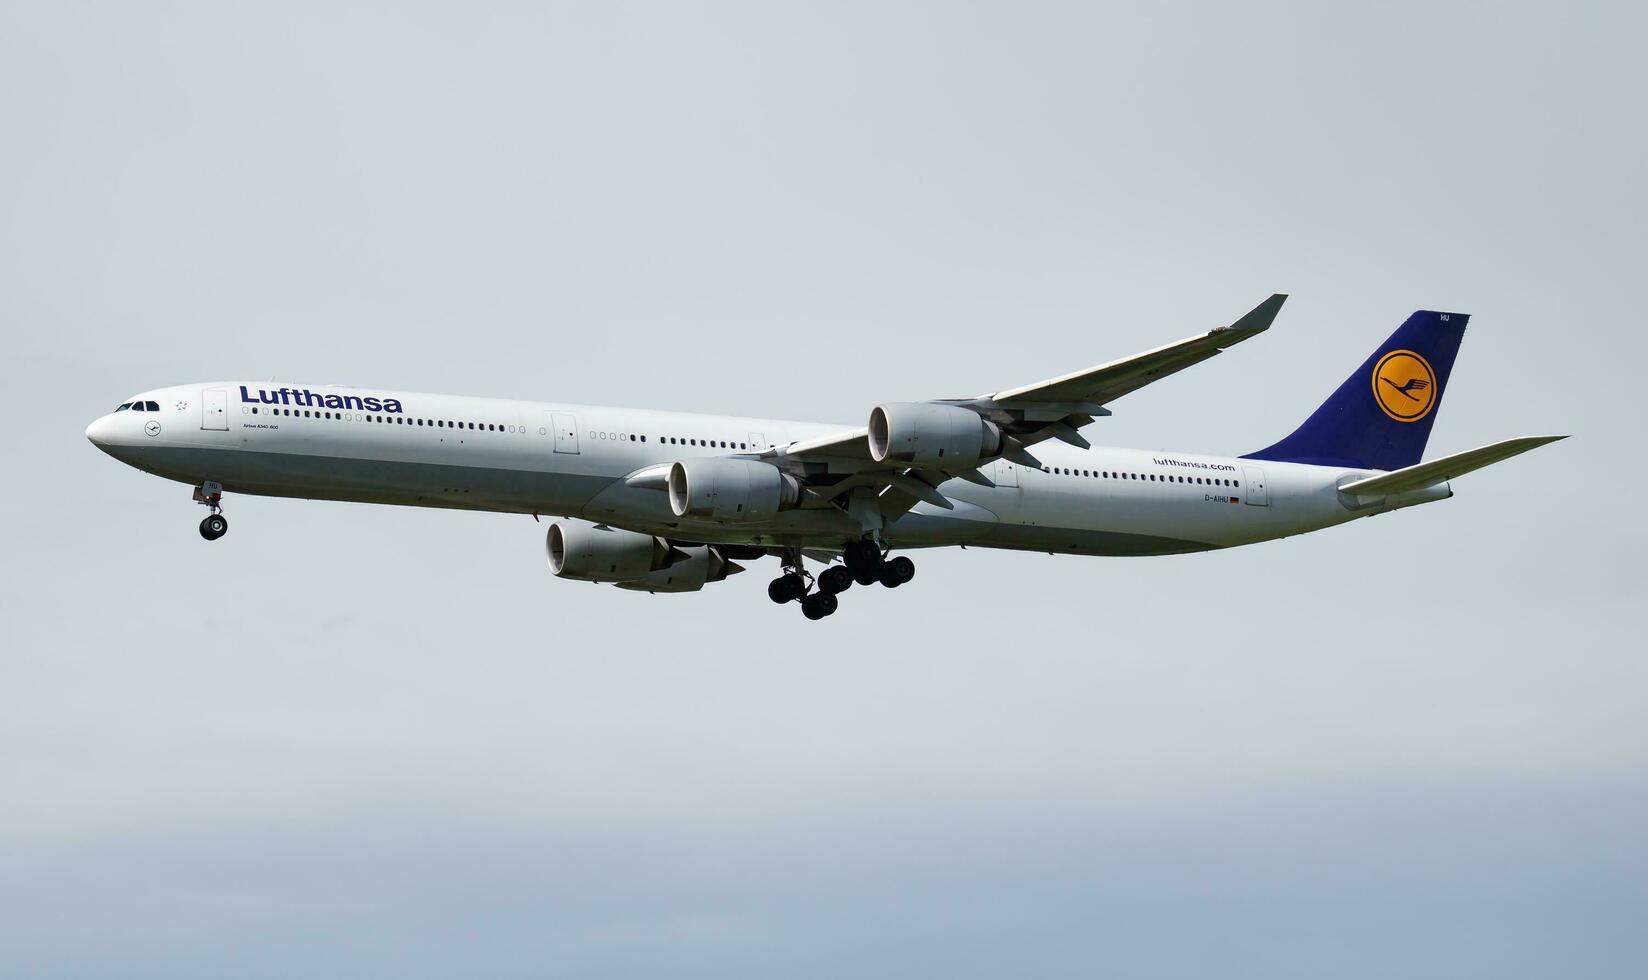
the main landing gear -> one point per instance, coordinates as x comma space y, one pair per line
862, 562
795, 584
866, 564
215, 525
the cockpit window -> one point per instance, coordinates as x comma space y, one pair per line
138, 407
124, 406
151, 406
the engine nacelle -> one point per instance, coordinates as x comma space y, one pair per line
699, 566
597, 553
730, 489
923, 434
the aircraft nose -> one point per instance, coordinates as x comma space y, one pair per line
98, 431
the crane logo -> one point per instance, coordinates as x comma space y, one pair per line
1404, 386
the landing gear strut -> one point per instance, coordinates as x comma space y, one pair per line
215, 525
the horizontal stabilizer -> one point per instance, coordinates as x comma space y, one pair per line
1447, 468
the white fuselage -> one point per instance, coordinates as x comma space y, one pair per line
327, 442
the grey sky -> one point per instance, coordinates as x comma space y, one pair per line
359, 742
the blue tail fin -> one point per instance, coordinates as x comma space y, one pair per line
1380, 418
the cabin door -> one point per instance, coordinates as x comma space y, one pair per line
1257, 493
214, 409
566, 433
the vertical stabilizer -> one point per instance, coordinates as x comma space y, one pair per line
1381, 417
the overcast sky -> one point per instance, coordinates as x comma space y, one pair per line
354, 741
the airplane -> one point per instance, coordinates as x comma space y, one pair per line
668, 502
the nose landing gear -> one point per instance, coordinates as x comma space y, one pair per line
215, 525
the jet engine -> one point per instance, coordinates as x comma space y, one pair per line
730, 489
693, 568
924, 434
598, 553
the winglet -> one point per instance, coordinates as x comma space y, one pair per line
1259, 319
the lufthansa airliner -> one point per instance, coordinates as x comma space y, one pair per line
671, 502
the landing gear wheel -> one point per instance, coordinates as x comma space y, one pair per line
863, 560
897, 571
785, 588
835, 579
861, 557
817, 605
213, 527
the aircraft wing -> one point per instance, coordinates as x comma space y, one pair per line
1429, 474
1108, 382
1055, 408
836, 464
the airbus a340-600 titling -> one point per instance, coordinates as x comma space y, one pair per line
671, 502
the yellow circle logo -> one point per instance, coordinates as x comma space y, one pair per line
1404, 385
